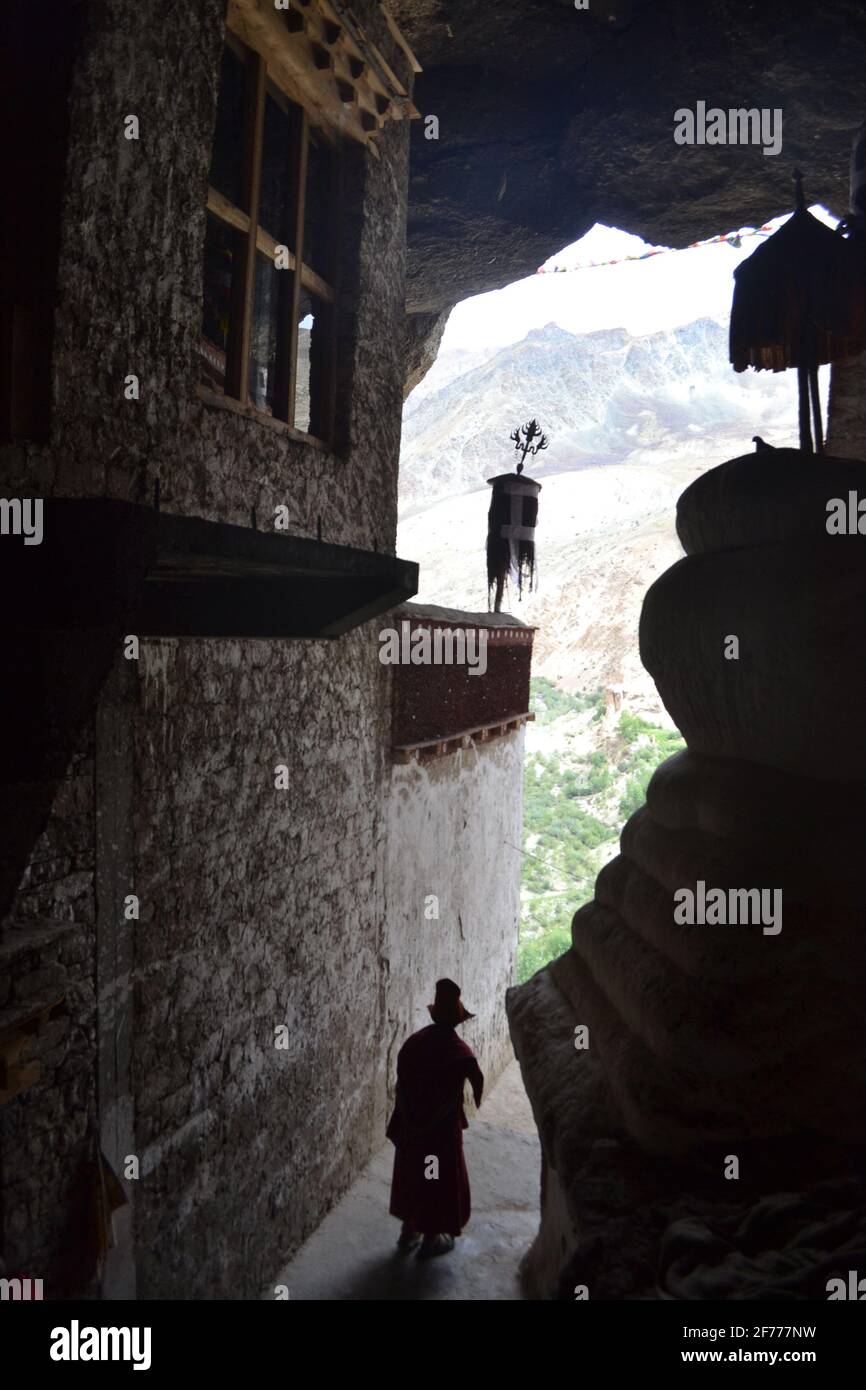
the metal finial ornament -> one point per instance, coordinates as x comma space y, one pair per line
524, 437
512, 518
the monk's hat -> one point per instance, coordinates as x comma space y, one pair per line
447, 1006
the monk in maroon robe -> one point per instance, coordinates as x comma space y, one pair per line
430, 1186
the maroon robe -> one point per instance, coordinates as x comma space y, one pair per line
428, 1121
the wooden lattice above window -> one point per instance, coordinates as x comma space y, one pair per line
320, 55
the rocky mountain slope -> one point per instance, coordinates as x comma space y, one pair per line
602, 397
632, 421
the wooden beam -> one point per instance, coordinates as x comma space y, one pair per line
362, 45
378, 72
483, 733
271, 422
300, 150
316, 285
243, 283
323, 59
323, 347
108, 565
268, 244
399, 38
384, 66
226, 211
292, 65
268, 607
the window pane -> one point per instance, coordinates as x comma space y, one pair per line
226, 159
222, 252
312, 379
271, 287
275, 213
318, 210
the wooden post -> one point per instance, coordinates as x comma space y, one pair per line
803, 392
298, 200
816, 409
243, 283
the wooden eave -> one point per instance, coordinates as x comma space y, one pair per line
118, 565
429, 748
320, 55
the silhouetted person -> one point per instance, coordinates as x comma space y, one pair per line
430, 1186
761, 445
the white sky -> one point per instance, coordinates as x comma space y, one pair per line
640, 296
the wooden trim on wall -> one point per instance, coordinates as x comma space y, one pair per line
459, 739
399, 38
295, 276
327, 392
249, 412
221, 208
243, 284
299, 188
317, 55
225, 211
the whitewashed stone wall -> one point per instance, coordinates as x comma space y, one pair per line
451, 825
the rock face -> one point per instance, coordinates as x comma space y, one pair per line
712, 1038
553, 118
423, 336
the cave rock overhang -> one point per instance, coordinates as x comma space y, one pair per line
551, 119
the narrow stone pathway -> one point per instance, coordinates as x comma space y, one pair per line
353, 1254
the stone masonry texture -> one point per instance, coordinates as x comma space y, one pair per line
259, 907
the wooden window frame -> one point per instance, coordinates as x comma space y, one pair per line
259, 77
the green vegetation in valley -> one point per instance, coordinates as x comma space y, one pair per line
575, 803
549, 702
646, 746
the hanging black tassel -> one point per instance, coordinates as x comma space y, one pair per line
800, 301
511, 523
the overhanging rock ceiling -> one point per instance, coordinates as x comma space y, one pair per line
552, 118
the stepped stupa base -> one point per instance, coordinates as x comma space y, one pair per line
696, 1075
